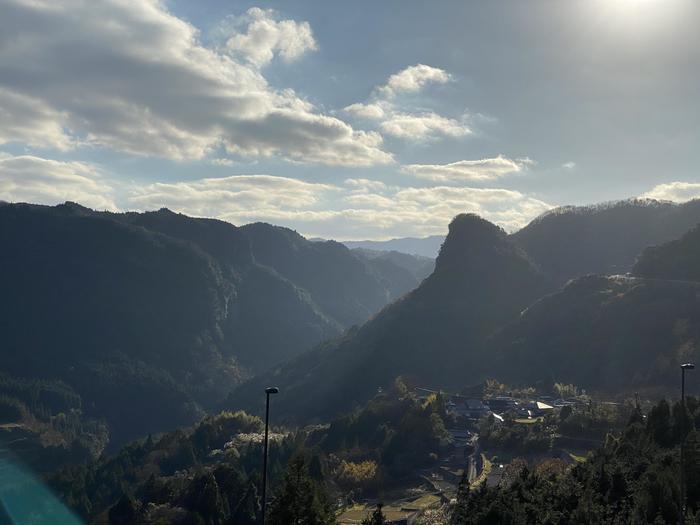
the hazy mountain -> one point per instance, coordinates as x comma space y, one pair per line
418, 265
425, 246
613, 333
678, 260
603, 333
571, 241
347, 288
605, 239
150, 316
398, 272
434, 334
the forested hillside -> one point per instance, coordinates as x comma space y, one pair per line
488, 310
601, 333
434, 334
605, 239
632, 478
346, 288
151, 317
675, 260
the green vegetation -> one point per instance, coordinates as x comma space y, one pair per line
124, 325
675, 260
301, 499
148, 319
486, 308
605, 334
632, 478
604, 239
435, 334
212, 470
582, 426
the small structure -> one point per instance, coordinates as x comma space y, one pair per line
470, 408
501, 404
536, 409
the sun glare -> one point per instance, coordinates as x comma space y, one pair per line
638, 20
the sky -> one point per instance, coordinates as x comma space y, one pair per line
349, 120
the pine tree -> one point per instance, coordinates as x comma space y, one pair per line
301, 500
460, 512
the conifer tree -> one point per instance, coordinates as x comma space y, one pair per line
300, 500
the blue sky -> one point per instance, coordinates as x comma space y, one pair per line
349, 119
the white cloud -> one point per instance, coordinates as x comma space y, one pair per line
355, 208
373, 111
129, 76
239, 198
365, 185
266, 36
473, 170
31, 121
413, 79
32, 179
395, 119
569, 165
359, 208
422, 126
674, 191
222, 162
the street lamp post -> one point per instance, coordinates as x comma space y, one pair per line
269, 390
684, 367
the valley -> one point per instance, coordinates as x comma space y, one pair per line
156, 319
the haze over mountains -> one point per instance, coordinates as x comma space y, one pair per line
606, 239
425, 246
147, 319
456, 328
151, 317
481, 280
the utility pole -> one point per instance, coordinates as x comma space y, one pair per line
684, 367
268, 391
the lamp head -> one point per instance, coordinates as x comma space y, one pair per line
272, 390
688, 366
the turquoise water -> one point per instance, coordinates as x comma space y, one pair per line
25, 500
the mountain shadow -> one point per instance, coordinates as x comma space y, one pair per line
433, 335
572, 241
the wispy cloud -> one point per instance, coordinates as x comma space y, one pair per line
413, 79
470, 170
357, 208
26, 178
674, 191
394, 118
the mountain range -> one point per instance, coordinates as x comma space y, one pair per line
145, 320
492, 309
152, 317
423, 246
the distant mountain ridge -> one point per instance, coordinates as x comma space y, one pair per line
423, 246
571, 241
